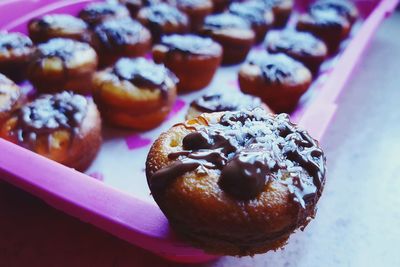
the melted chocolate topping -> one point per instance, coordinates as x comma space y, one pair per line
62, 48
60, 21
277, 68
254, 12
187, 3
96, 12
118, 32
49, 113
343, 8
250, 149
327, 19
226, 102
300, 43
143, 73
14, 41
161, 14
225, 21
190, 44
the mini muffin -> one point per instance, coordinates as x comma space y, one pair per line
328, 26
15, 52
163, 19
277, 79
233, 33
96, 13
114, 39
236, 183
193, 59
10, 97
220, 5
57, 25
281, 9
260, 17
135, 93
215, 102
301, 46
196, 10
63, 127
135, 5
63, 64
344, 8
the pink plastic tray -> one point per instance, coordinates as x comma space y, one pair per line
122, 214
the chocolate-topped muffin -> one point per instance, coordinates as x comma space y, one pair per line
135, 93
233, 33
135, 5
344, 8
57, 25
281, 9
192, 58
236, 183
15, 52
228, 101
277, 79
62, 64
329, 26
256, 13
10, 98
64, 127
196, 10
163, 19
99, 12
125, 37
301, 46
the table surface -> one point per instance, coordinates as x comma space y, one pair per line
358, 218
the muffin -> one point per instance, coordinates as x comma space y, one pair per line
196, 10
344, 8
15, 52
260, 17
217, 102
114, 39
282, 10
96, 13
236, 183
328, 26
277, 79
135, 93
10, 98
220, 5
135, 5
62, 64
193, 59
163, 19
57, 25
233, 33
63, 127
301, 46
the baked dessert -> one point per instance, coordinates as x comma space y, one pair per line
217, 102
328, 26
236, 183
57, 25
96, 13
256, 13
62, 64
134, 93
233, 33
193, 59
301, 46
135, 5
277, 79
344, 8
15, 52
282, 10
163, 19
10, 97
196, 10
114, 39
64, 127
220, 5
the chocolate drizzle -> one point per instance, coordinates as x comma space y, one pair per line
343, 8
161, 14
190, 44
254, 12
49, 113
64, 49
14, 41
97, 12
251, 149
59, 21
226, 102
225, 21
327, 19
143, 73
